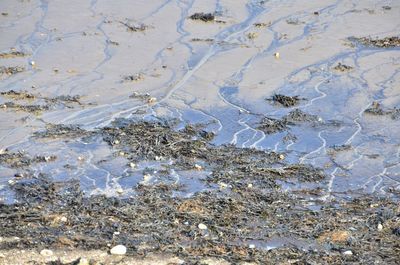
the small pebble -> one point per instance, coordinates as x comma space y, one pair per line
380, 227
250, 185
252, 246
348, 252
281, 157
120, 190
63, 219
151, 100
198, 167
202, 226
118, 250
277, 55
46, 252
11, 182
132, 165
32, 63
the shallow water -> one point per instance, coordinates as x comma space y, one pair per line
83, 48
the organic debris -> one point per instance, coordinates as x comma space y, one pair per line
27, 108
206, 17
298, 115
134, 28
232, 220
11, 70
64, 99
12, 54
271, 125
342, 67
376, 109
134, 78
21, 159
219, 222
286, 101
388, 42
16, 95
60, 130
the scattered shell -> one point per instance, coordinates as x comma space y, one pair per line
281, 157
120, 190
46, 252
277, 55
249, 185
380, 227
11, 182
152, 100
118, 250
146, 179
223, 185
348, 252
252, 246
202, 226
198, 167
132, 165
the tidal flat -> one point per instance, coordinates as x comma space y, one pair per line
199, 132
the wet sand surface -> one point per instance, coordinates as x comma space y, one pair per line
211, 104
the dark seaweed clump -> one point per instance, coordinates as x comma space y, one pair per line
388, 42
58, 215
12, 54
298, 115
271, 125
377, 110
342, 67
62, 131
20, 159
248, 207
12, 70
16, 95
35, 108
286, 101
134, 28
206, 17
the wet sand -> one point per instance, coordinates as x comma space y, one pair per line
313, 86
